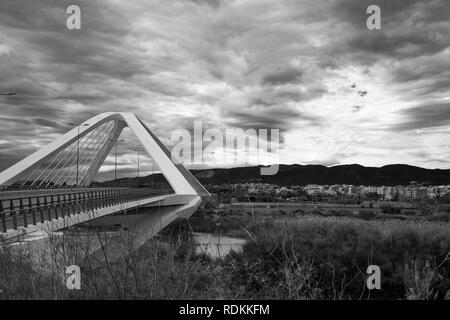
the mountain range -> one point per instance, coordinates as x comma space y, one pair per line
389, 175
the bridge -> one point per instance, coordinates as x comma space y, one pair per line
54, 188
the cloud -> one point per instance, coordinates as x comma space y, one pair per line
288, 75
425, 116
278, 117
250, 64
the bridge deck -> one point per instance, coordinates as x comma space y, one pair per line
22, 209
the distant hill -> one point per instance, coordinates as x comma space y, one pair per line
154, 181
390, 175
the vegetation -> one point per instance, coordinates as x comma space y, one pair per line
152, 272
319, 257
289, 254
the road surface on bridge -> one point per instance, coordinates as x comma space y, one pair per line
20, 209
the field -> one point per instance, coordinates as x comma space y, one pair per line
322, 252
292, 252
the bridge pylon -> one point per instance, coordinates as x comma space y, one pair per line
53, 168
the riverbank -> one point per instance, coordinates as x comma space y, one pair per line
286, 255
292, 253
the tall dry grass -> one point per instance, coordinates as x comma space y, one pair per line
338, 252
307, 258
111, 268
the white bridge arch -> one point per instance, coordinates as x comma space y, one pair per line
187, 191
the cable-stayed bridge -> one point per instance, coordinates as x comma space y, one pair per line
53, 188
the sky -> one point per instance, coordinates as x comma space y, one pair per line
338, 92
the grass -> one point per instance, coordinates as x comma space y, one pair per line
306, 257
334, 253
154, 271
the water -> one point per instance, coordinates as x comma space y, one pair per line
217, 246
213, 245
31, 237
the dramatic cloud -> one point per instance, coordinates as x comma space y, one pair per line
426, 116
282, 77
339, 93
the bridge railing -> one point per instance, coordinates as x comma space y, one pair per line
21, 211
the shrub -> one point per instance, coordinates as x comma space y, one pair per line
367, 214
339, 251
389, 209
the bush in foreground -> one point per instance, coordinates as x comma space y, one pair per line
319, 257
